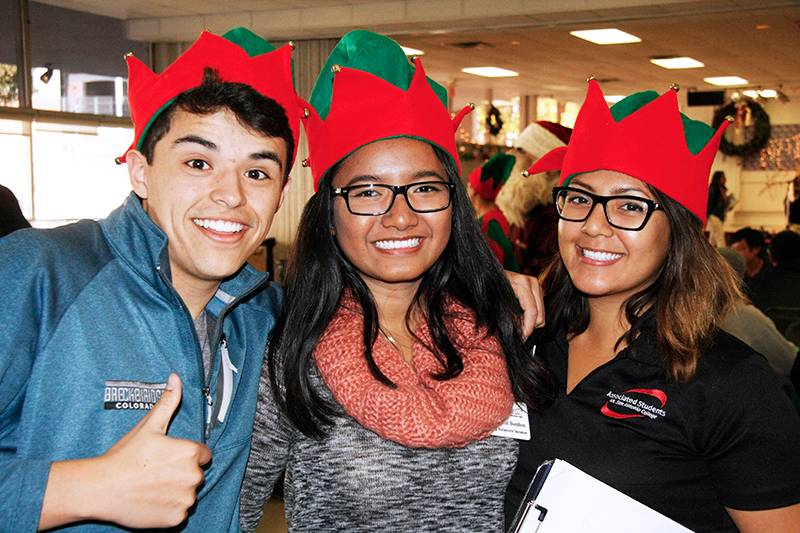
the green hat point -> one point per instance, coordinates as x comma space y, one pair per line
370, 52
498, 168
696, 133
251, 43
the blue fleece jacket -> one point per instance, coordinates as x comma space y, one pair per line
90, 328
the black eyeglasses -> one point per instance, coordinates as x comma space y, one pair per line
374, 199
622, 212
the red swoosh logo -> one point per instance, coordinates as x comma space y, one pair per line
619, 416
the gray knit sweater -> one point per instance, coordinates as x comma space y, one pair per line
353, 480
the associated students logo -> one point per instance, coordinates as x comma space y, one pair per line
635, 403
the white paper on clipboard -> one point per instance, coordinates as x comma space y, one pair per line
565, 499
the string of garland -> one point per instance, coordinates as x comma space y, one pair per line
494, 123
761, 129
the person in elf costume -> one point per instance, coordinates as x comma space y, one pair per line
527, 201
654, 398
382, 409
131, 347
484, 184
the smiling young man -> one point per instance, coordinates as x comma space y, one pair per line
130, 347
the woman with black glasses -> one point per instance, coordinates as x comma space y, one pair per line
398, 354
653, 398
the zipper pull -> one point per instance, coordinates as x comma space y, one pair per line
209, 405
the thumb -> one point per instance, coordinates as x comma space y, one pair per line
160, 416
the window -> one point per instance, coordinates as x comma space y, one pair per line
58, 161
9, 53
77, 61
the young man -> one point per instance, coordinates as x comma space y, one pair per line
751, 244
101, 319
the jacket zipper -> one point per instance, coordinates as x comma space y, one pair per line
206, 390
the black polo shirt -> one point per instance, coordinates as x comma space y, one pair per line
729, 437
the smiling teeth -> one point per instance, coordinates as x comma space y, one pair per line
394, 245
600, 256
222, 226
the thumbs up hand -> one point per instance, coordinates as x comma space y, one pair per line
153, 478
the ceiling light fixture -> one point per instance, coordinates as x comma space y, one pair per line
761, 93
726, 81
676, 62
490, 72
606, 36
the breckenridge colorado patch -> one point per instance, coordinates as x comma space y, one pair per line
126, 395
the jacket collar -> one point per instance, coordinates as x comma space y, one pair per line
139, 242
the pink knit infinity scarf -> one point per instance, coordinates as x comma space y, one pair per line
421, 412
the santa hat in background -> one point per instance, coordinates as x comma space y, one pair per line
540, 137
520, 194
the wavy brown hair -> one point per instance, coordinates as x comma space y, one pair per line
694, 291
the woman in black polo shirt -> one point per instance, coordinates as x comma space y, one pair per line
654, 399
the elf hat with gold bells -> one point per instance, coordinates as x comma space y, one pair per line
645, 136
238, 56
368, 91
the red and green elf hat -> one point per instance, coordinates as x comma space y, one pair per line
488, 179
238, 56
368, 91
645, 136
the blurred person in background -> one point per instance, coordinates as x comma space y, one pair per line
751, 244
11, 217
756, 329
718, 205
527, 201
484, 184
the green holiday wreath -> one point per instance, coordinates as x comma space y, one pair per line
494, 123
761, 128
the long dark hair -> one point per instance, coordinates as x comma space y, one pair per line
694, 291
318, 274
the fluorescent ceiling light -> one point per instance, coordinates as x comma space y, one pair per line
412, 51
614, 98
676, 62
726, 81
761, 93
606, 36
490, 72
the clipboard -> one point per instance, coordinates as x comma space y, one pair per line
565, 499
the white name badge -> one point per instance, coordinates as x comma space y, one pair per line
517, 426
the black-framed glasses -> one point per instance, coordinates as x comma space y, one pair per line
622, 212
374, 199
